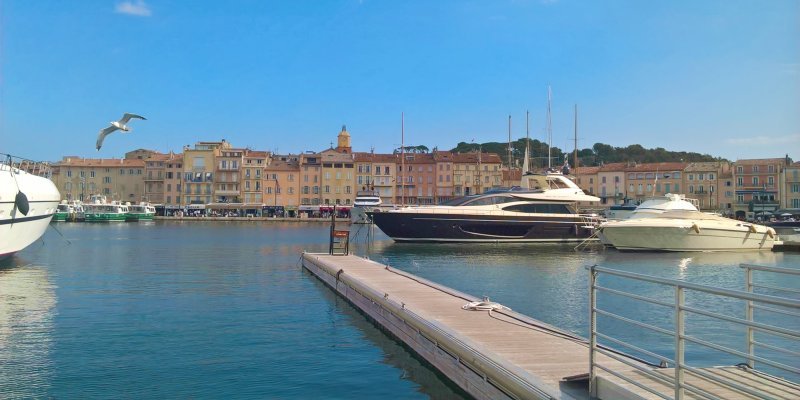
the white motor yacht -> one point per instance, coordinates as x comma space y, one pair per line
27, 203
674, 224
365, 202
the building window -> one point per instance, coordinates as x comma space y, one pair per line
755, 168
771, 168
755, 181
771, 181
107, 179
740, 181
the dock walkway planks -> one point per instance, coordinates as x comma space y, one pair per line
489, 354
503, 354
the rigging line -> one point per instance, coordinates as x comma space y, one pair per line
537, 328
59, 233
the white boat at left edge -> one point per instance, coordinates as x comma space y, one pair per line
24, 218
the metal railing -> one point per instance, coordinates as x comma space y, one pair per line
38, 168
678, 305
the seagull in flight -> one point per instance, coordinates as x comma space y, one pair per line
116, 125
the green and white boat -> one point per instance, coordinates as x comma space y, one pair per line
140, 212
71, 211
101, 211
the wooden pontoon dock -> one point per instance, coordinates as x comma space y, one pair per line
490, 354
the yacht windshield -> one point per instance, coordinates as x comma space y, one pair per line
541, 208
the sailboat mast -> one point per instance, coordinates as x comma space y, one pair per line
575, 157
402, 158
509, 143
527, 138
549, 128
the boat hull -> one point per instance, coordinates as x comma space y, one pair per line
684, 238
105, 217
133, 217
424, 227
18, 231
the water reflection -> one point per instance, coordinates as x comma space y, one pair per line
27, 308
394, 353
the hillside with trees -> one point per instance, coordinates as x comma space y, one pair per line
599, 154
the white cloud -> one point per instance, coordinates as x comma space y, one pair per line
137, 8
765, 140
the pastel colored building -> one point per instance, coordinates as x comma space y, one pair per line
703, 183
611, 184
757, 186
118, 179
282, 182
791, 189
654, 180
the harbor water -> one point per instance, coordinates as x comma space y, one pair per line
224, 310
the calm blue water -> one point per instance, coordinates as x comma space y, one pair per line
211, 310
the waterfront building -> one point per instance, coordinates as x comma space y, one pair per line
726, 192
587, 179
198, 172
337, 178
791, 189
173, 182
757, 186
154, 169
511, 177
377, 171
253, 164
282, 183
419, 178
474, 173
117, 178
227, 180
311, 168
703, 183
444, 166
611, 184
654, 180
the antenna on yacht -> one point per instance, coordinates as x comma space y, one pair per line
549, 127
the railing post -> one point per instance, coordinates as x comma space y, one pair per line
748, 273
679, 342
592, 331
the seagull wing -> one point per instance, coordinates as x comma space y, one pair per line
102, 135
127, 117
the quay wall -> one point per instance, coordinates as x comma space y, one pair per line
251, 219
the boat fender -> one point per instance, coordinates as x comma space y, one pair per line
21, 202
753, 228
695, 228
771, 233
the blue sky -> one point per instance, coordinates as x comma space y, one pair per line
718, 77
